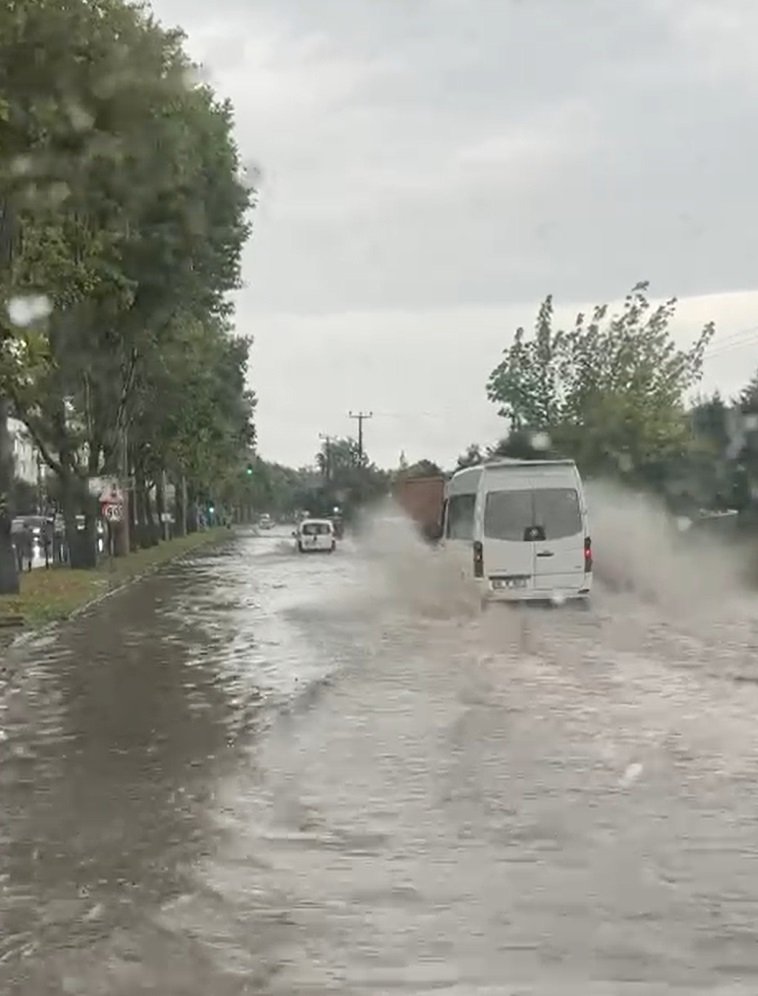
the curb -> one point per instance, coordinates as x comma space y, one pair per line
36, 631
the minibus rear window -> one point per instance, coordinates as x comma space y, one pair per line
508, 515
557, 511
513, 515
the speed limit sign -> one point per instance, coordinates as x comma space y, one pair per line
112, 512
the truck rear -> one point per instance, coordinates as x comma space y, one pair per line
422, 499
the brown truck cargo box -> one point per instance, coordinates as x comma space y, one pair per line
422, 499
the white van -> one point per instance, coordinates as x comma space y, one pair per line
315, 535
525, 522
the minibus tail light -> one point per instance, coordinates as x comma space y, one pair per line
478, 560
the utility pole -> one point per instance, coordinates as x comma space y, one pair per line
328, 440
360, 418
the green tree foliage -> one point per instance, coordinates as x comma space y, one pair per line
525, 444
120, 184
423, 468
610, 391
349, 479
472, 456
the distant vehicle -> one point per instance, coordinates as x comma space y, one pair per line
723, 523
315, 536
36, 524
338, 524
81, 525
526, 524
265, 522
422, 499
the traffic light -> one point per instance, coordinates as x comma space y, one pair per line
249, 470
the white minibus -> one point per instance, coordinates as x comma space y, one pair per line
526, 524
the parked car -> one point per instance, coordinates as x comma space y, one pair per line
315, 536
265, 522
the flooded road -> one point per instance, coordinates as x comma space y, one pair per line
263, 773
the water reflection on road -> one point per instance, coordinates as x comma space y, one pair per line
264, 773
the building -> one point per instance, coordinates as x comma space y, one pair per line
25, 457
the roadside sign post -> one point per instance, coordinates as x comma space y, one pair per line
111, 499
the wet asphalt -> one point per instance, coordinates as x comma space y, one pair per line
257, 772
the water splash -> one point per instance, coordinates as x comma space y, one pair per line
406, 571
640, 548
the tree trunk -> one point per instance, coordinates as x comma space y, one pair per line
9, 583
123, 534
161, 508
82, 543
180, 513
133, 518
140, 526
191, 509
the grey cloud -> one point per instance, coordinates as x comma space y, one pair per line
365, 209
437, 153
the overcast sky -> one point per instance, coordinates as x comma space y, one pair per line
430, 169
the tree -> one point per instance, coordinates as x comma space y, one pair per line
144, 233
353, 479
424, 468
193, 416
525, 444
610, 391
471, 457
744, 449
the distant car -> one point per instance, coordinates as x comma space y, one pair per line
265, 522
40, 527
315, 536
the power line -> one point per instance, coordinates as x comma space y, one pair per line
360, 418
737, 334
746, 337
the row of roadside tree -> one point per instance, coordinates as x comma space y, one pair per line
124, 209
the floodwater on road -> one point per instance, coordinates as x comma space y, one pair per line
257, 772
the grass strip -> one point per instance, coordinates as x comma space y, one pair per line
54, 594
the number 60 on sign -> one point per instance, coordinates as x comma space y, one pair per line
112, 512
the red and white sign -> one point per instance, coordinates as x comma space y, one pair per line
112, 501
112, 512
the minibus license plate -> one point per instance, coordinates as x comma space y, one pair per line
501, 583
